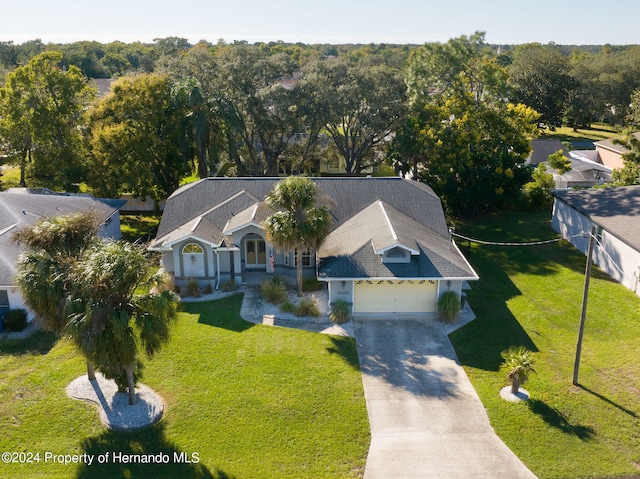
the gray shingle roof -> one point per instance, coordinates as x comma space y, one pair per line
616, 210
611, 145
19, 210
541, 149
359, 208
352, 250
346, 196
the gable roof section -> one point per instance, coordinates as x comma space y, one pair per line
208, 225
541, 149
616, 210
252, 216
379, 224
19, 210
610, 145
354, 249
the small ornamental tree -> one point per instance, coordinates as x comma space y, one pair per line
559, 162
518, 363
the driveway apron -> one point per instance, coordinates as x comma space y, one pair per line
426, 419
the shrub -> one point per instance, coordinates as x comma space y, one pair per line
15, 320
311, 284
208, 289
448, 306
559, 162
228, 286
340, 312
306, 307
193, 287
273, 291
537, 193
518, 364
287, 307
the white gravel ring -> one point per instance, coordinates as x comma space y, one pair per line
113, 407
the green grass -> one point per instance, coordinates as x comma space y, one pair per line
531, 296
597, 132
252, 401
139, 227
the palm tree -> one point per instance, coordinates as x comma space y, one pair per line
55, 246
298, 224
518, 362
121, 304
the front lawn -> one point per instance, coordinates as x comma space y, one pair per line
532, 296
246, 401
141, 227
596, 132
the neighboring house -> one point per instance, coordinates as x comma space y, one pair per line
22, 207
616, 214
610, 154
541, 149
388, 250
584, 171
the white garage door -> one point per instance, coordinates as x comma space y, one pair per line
394, 297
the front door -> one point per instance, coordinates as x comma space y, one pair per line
255, 253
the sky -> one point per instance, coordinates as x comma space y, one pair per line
565, 22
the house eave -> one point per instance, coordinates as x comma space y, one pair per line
414, 252
395, 278
188, 236
241, 227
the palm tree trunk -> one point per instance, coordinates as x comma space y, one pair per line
91, 373
23, 165
515, 386
131, 384
299, 269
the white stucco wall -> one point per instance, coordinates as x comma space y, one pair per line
15, 300
614, 257
111, 230
337, 291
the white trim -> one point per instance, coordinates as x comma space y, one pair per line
393, 232
414, 252
195, 225
243, 226
8, 228
183, 238
395, 278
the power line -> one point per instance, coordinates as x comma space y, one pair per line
497, 243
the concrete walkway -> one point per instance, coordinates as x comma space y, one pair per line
316, 325
426, 419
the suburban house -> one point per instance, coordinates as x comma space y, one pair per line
615, 212
388, 250
22, 207
585, 169
610, 153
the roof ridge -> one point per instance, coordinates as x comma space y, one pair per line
393, 231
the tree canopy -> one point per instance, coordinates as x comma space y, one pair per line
299, 223
134, 140
41, 112
474, 142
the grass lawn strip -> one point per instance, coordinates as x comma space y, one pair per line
251, 401
531, 296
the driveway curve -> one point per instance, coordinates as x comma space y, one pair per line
426, 419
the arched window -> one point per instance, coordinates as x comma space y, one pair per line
192, 248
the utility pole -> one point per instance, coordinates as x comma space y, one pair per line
585, 295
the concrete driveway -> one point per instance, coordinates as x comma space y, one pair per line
426, 419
